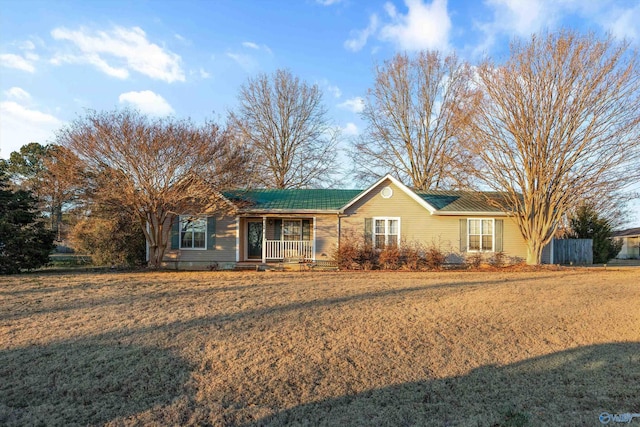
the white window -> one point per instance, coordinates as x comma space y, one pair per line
386, 231
193, 232
480, 234
291, 230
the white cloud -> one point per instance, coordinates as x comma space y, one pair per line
359, 38
182, 39
204, 74
425, 26
250, 62
27, 45
328, 2
17, 93
245, 61
118, 51
18, 62
622, 23
251, 45
256, 46
350, 129
332, 89
95, 60
18, 111
20, 125
522, 17
355, 105
147, 102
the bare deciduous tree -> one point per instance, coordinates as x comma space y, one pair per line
284, 121
559, 124
414, 113
154, 169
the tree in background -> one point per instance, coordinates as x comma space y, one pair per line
586, 223
43, 171
414, 114
24, 242
284, 121
153, 169
557, 124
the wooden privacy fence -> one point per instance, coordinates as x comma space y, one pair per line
572, 251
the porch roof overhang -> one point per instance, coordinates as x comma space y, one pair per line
285, 212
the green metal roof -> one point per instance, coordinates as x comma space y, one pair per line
335, 199
463, 201
293, 199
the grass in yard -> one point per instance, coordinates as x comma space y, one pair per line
320, 348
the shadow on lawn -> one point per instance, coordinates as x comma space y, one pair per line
75, 383
566, 388
155, 294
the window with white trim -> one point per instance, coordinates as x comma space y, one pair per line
480, 235
291, 230
193, 232
386, 231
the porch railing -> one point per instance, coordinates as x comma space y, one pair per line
280, 249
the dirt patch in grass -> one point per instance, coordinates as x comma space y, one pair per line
320, 348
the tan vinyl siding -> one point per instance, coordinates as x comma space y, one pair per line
630, 247
417, 224
326, 235
513, 242
224, 251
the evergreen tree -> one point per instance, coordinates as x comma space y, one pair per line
587, 224
24, 242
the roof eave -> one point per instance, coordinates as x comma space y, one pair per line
467, 213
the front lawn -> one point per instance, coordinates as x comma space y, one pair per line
320, 348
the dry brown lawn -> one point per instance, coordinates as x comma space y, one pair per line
320, 348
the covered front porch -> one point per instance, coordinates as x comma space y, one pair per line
275, 238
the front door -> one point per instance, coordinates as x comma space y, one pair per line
254, 239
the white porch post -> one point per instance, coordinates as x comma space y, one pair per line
264, 239
237, 239
313, 255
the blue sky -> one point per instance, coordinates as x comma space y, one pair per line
189, 58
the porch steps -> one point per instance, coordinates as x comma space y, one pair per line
246, 266
323, 265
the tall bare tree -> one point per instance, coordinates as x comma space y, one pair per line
153, 169
414, 113
558, 124
284, 121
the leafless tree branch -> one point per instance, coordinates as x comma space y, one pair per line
414, 113
285, 123
558, 124
154, 169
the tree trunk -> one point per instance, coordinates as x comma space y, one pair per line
157, 238
534, 253
155, 257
